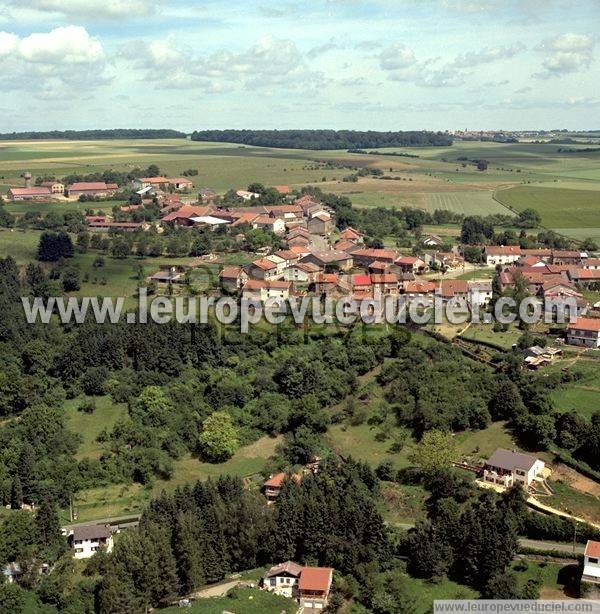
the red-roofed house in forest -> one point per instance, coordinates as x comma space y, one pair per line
584, 332
310, 586
314, 587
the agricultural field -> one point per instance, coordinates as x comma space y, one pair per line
559, 207
523, 174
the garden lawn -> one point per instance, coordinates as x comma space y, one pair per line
242, 601
558, 580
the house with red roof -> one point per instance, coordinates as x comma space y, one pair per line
412, 264
591, 562
310, 586
320, 224
284, 190
584, 332
454, 289
265, 289
351, 234
361, 283
183, 216
501, 254
263, 269
37, 193
92, 188
301, 273
233, 277
365, 257
419, 289
314, 587
386, 283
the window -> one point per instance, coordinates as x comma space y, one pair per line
273, 581
592, 560
79, 550
520, 472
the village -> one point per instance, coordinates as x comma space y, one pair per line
307, 250
313, 255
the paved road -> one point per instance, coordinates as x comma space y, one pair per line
132, 518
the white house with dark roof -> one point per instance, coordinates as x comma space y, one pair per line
507, 467
88, 539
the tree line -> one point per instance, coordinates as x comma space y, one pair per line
325, 139
82, 135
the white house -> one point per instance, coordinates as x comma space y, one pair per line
502, 254
507, 467
480, 292
88, 539
283, 579
262, 290
591, 563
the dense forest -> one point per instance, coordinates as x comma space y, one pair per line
83, 135
325, 139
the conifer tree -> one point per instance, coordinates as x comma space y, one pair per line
189, 553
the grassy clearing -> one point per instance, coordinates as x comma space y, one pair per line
124, 499
557, 580
20, 244
483, 443
485, 333
247, 600
478, 274
361, 442
89, 426
574, 501
466, 203
425, 593
403, 503
582, 394
559, 207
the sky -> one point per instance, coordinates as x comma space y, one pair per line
340, 64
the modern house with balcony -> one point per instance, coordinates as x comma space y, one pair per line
507, 467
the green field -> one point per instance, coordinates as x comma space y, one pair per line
559, 207
435, 179
583, 394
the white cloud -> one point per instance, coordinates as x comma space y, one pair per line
66, 45
52, 60
270, 61
567, 53
90, 9
487, 55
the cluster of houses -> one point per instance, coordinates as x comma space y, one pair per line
48, 190
52, 189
